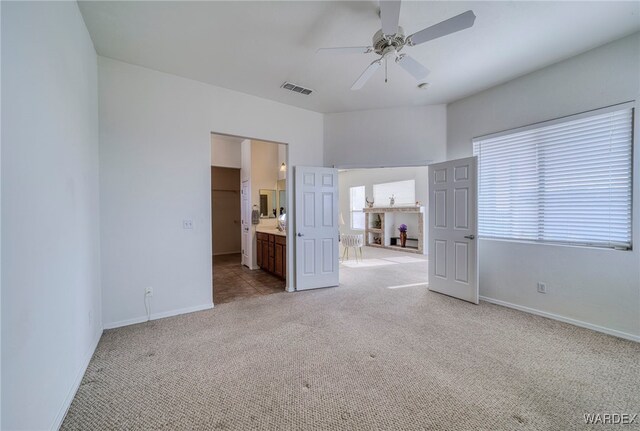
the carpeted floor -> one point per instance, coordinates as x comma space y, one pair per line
356, 357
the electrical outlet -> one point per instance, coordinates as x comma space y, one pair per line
187, 224
542, 287
148, 291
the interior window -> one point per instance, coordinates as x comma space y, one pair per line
357, 204
403, 192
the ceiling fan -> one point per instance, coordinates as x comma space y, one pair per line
390, 39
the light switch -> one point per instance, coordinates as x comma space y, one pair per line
187, 224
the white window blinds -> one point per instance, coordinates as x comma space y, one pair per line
563, 181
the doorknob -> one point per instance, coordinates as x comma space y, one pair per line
470, 236
300, 234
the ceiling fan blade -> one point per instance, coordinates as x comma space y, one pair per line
390, 16
412, 66
368, 73
345, 50
451, 25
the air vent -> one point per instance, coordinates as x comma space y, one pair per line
296, 88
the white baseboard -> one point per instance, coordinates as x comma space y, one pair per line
227, 252
156, 316
560, 318
57, 422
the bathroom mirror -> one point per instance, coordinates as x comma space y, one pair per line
282, 197
268, 203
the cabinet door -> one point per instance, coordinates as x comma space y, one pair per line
265, 255
279, 267
271, 264
259, 252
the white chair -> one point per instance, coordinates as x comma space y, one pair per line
352, 240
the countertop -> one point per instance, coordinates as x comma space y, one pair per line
271, 230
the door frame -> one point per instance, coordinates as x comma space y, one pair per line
290, 281
409, 164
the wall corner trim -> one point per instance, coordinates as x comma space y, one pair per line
64, 408
161, 315
560, 318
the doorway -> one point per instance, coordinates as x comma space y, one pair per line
383, 226
248, 216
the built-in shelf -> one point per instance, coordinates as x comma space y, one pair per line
407, 249
385, 234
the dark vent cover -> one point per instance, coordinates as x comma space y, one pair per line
296, 88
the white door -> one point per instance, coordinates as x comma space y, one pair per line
246, 224
316, 228
453, 229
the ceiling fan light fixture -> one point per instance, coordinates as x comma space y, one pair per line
390, 40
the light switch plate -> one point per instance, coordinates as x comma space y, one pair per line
187, 224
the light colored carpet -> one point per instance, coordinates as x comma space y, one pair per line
356, 357
404, 259
367, 263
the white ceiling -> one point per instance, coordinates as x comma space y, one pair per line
253, 47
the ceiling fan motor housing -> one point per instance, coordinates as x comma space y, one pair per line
382, 42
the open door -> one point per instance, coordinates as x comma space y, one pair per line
316, 227
453, 229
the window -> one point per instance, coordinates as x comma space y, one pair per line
404, 193
564, 181
356, 205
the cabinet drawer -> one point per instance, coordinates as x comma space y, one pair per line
281, 240
262, 236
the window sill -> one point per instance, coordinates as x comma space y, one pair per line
555, 244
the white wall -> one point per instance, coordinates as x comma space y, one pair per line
0, 220
264, 169
154, 172
369, 177
225, 152
263, 175
51, 308
386, 137
598, 287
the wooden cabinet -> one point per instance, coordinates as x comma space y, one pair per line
272, 253
259, 241
271, 263
280, 261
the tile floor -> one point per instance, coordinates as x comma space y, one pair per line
233, 281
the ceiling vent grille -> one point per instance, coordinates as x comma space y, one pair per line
296, 88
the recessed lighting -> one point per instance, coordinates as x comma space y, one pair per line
423, 86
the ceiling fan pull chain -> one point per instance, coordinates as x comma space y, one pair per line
386, 64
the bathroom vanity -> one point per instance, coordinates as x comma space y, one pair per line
272, 251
